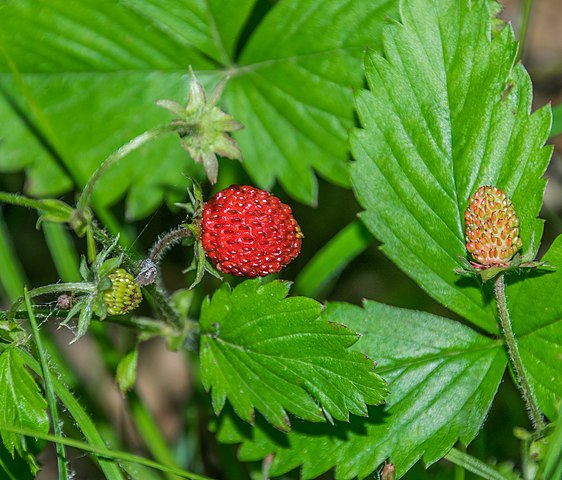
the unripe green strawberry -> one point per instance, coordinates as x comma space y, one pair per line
491, 228
124, 294
249, 232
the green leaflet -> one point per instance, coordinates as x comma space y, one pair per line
447, 111
442, 379
23, 405
273, 354
104, 63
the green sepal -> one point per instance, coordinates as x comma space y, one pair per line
199, 259
84, 319
108, 266
85, 271
104, 283
194, 207
77, 307
203, 127
517, 262
98, 303
174, 107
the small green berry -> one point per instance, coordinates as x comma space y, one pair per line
124, 294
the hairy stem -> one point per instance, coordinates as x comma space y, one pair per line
167, 241
74, 287
515, 358
116, 156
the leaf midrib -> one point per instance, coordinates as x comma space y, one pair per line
284, 361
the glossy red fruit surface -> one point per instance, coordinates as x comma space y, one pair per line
249, 232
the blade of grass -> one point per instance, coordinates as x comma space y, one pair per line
83, 421
472, 464
62, 251
553, 460
104, 452
12, 277
6, 471
49, 390
333, 258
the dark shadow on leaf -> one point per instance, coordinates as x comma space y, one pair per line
356, 425
486, 289
340, 430
525, 273
34, 130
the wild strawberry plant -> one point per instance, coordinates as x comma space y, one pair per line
447, 167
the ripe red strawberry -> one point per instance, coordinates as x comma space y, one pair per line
248, 232
492, 228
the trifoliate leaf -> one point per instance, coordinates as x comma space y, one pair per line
273, 354
103, 63
442, 379
535, 307
447, 112
23, 406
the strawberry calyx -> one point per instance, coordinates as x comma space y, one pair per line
204, 129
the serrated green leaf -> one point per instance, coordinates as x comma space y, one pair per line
295, 90
211, 27
273, 354
23, 405
442, 377
535, 306
447, 111
103, 63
